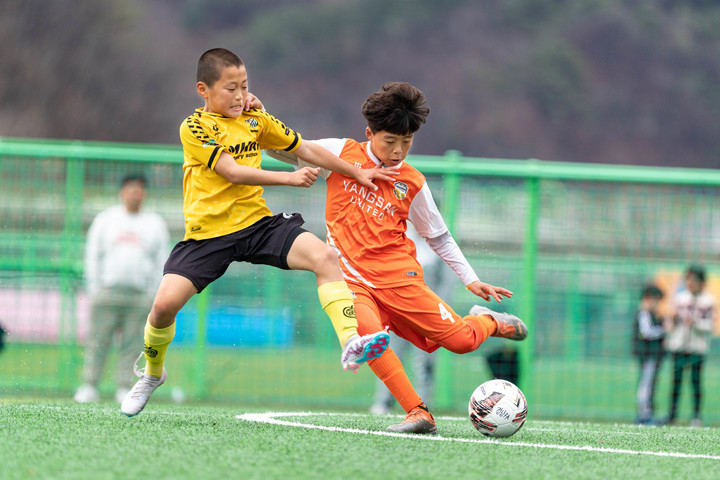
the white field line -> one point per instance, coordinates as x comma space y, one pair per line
272, 418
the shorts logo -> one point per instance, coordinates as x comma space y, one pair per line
400, 190
150, 352
349, 311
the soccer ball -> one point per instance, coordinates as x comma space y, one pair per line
497, 408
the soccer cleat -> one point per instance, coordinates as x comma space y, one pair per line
508, 326
359, 350
86, 393
419, 420
138, 396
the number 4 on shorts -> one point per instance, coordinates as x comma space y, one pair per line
444, 314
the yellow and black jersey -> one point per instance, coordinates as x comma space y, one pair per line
212, 205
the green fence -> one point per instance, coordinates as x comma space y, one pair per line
574, 242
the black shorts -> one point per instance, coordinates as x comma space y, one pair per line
266, 242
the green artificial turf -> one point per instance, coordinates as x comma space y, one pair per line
64, 440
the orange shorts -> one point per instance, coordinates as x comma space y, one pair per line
413, 311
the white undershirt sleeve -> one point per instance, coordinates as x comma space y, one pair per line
430, 225
446, 248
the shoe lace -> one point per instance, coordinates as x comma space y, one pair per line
138, 372
417, 414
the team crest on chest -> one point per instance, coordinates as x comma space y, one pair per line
400, 190
252, 122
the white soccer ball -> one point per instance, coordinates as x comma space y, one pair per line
497, 408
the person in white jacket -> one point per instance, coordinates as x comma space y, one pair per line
124, 256
689, 337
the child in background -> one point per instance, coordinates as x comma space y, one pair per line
648, 348
689, 338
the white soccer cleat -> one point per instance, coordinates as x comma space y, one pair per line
86, 394
138, 396
359, 350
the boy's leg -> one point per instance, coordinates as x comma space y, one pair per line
310, 253
173, 293
390, 371
383, 397
647, 372
678, 367
695, 373
132, 324
98, 343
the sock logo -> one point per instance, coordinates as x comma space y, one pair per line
150, 352
349, 311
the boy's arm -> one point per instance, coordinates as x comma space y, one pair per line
92, 255
244, 175
317, 155
428, 222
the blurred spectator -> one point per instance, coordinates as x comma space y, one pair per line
2, 337
648, 348
439, 277
124, 257
689, 337
504, 364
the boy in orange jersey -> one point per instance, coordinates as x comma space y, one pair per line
367, 228
226, 218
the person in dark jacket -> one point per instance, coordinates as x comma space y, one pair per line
648, 348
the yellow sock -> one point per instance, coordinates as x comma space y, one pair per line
336, 300
157, 341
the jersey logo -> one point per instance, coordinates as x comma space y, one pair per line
252, 122
400, 190
209, 143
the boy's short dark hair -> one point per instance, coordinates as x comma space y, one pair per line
652, 291
697, 271
212, 62
398, 108
133, 177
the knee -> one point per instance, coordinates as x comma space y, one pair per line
163, 309
326, 256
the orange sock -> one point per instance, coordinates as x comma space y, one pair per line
389, 369
486, 323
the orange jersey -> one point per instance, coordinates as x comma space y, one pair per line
368, 228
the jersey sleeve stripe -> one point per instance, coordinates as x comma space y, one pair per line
293, 144
213, 157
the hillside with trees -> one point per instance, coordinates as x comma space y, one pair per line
610, 81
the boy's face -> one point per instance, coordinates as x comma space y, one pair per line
693, 284
132, 195
226, 96
389, 148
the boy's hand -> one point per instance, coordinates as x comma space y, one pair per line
485, 291
251, 101
366, 176
304, 177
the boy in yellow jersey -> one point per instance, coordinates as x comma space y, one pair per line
226, 218
368, 230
